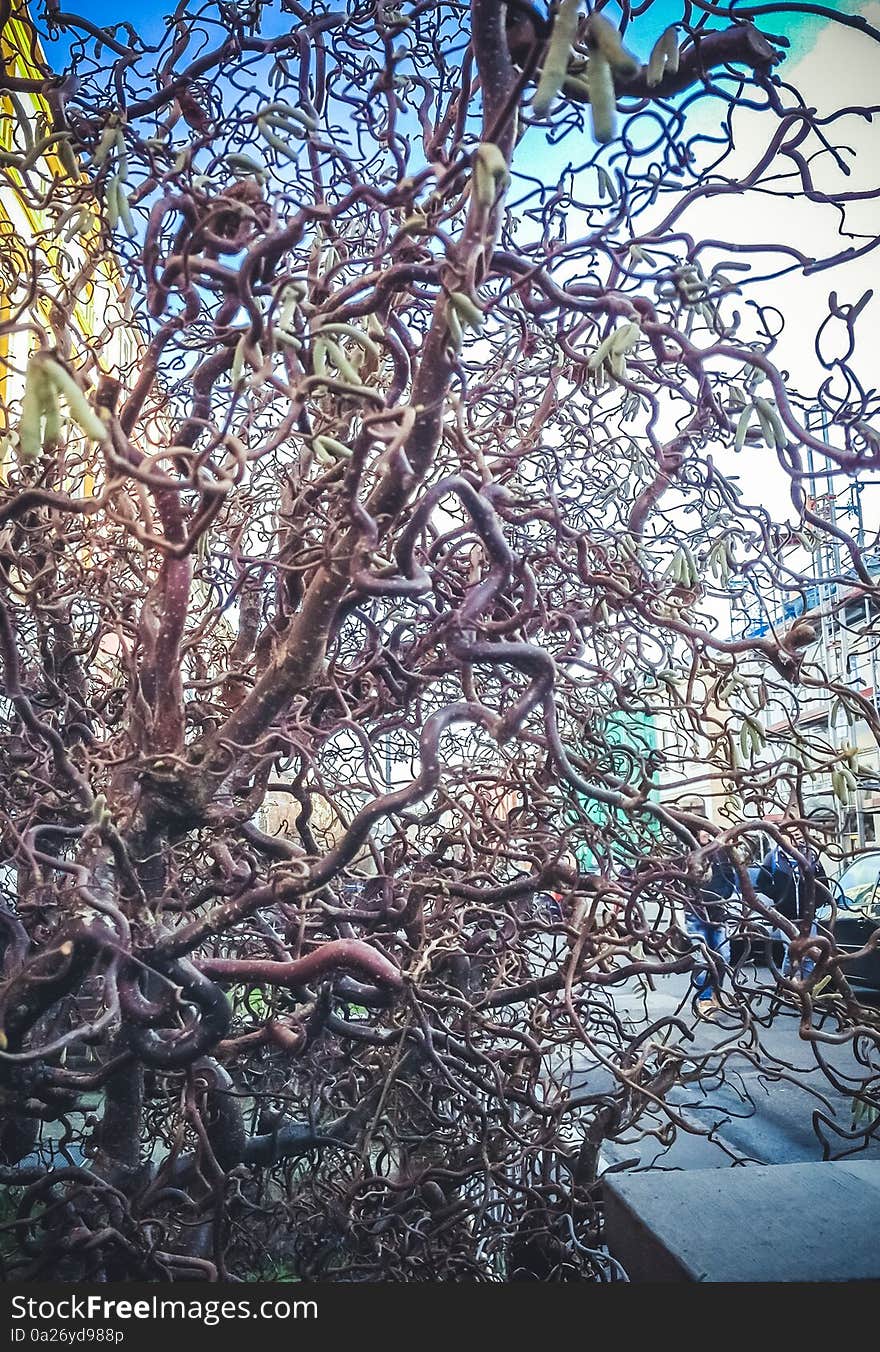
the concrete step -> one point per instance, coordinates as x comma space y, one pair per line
814, 1222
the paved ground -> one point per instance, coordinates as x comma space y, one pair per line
752, 1116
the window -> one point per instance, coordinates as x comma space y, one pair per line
859, 881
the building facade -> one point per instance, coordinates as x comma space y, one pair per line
61, 286
838, 719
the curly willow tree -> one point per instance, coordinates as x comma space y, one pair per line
339, 617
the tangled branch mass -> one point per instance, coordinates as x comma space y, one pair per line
374, 380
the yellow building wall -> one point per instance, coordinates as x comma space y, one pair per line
70, 258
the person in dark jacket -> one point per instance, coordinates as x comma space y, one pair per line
785, 881
706, 922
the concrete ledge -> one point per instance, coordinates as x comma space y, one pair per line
762, 1223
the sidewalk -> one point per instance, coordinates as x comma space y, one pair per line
770, 1223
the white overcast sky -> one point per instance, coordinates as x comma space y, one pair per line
840, 68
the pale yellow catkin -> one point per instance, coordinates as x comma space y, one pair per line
671, 49
490, 173
351, 331
603, 102
52, 414
607, 40
468, 312
555, 68
346, 370
80, 410
664, 56
33, 402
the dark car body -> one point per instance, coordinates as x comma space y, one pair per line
857, 892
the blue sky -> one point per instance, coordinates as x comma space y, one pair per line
801, 29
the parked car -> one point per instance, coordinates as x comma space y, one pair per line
857, 892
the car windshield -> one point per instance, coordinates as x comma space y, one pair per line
859, 882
